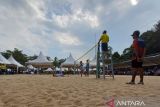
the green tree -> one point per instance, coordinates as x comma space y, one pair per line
152, 39
157, 27
17, 54
127, 54
32, 57
116, 57
7, 54
56, 62
61, 61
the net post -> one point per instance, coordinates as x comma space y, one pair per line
98, 63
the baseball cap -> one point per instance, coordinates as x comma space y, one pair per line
137, 32
104, 32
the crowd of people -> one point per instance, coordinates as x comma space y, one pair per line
148, 71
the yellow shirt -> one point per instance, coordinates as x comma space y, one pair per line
104, 38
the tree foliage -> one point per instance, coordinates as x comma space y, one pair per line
57, 63
17, 54
32, 57
152, 40
116, 56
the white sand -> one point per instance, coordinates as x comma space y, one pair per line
73, 91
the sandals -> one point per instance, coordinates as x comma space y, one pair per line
132, 83
142, 83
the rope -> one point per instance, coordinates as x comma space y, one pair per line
147, 59
87, 52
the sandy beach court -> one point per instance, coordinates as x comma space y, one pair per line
74, 91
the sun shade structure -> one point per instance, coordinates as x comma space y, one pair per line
70, 62
3, 60
40, 62
14, 62
49, 70
30, 67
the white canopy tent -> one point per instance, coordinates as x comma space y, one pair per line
30, 67
40, 62
49, 70
70, 62
14, 62
3, 60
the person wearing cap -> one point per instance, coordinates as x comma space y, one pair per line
137, 57
104, 39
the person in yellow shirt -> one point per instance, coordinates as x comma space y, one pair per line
104, 41
104, 47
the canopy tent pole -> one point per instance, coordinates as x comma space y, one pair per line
17, 69
61, 69
74, 67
